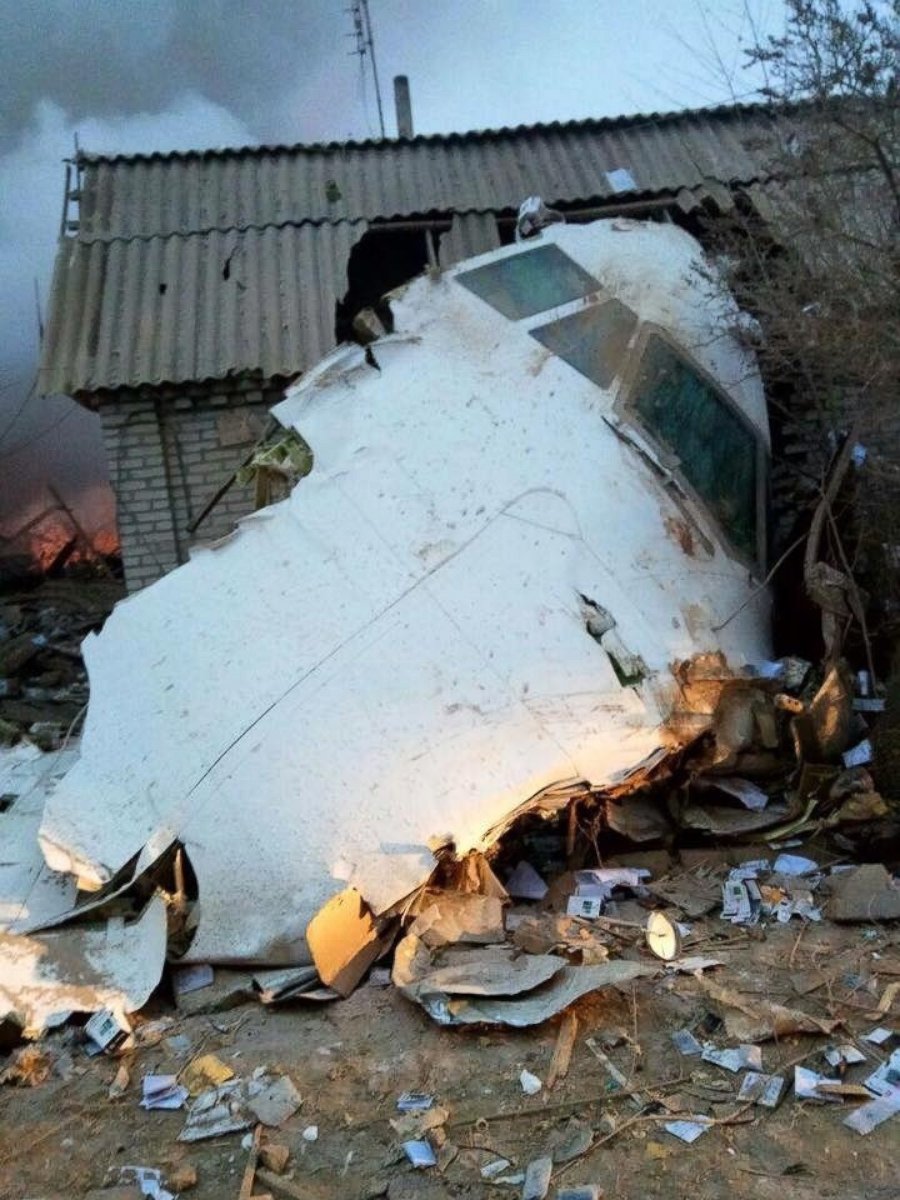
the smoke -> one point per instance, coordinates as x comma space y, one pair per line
52, 438
96, 59
124, 77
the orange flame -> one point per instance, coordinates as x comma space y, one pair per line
49, 540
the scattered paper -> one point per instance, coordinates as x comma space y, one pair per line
837, 1055
685, 1131
420, 1154
148, 1179
749, 794
858, 755
879, 1036
215, 1113
764, 1090
162, 1091
752, 868
740, 899
686, 1043
794, 864
736, 1058
414, 1101
868, 1116
886, 1077
612, 877
236, 1105
806, 1085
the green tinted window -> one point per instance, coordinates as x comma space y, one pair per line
716, 450
529, 282
592, 340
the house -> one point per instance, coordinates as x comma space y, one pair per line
191, 288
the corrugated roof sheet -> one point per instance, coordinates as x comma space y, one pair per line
139, 296
180, 193
159, 310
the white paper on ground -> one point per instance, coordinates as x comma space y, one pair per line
685, 1131
806, 1083
162, 1092
868, 1116
794, 864
420, 1154
735, 1058
764, 1090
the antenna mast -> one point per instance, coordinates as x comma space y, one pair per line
365, 45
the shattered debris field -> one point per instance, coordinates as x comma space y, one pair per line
603, 1122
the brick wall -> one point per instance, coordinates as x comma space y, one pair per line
168, 453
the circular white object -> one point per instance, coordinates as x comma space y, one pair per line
662, 937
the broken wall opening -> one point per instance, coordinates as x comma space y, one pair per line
387, 255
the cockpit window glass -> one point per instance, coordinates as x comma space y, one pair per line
530, 282
592, 340
717, 452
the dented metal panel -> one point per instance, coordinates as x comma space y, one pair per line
475, 595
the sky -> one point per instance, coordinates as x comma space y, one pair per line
157, 75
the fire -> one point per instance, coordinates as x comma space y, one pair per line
106, 542
52, 538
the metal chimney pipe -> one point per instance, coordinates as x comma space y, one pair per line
403, 105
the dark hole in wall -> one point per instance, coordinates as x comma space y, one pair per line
506, 226
379, 262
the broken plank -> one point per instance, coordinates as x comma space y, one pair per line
562, 1051
247, 1182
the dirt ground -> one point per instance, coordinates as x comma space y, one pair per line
351, 1059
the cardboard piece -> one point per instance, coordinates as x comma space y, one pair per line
343, 941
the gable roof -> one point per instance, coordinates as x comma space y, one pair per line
141, 295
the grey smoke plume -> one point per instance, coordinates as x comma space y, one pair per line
104, 58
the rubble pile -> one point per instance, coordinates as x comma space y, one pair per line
43, 683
